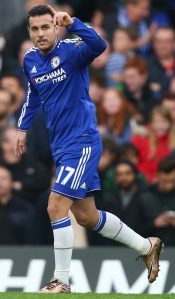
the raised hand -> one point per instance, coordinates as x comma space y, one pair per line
61, 18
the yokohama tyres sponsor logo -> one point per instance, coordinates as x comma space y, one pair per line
112, 277
55, 76
100, 270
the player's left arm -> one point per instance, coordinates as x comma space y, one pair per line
92, 43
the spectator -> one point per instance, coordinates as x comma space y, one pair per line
162, 64
108, 159
158, 142
122, 199
97, 89
42, 234
122, 45
172, 85
169, 103
19, 33
97, 19
115, 116
2, 47
136, 88
133, 15
38, 147
13, 84
158, 204
99, 63
129, 152
109, 156
5, 109
18, 70
30, 177
14, 213
97, 86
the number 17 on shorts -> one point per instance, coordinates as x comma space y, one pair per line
77, 175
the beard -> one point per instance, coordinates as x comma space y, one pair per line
127, 187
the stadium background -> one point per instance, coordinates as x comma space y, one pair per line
132, 86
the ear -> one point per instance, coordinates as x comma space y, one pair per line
56, 29
29, 31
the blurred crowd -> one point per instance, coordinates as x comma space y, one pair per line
132, 85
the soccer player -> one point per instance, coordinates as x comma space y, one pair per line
57, 71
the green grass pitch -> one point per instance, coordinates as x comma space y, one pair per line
14, 295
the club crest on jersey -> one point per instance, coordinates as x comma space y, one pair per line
55, 62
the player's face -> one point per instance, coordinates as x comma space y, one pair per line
43, 32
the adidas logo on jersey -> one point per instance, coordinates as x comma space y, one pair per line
34, 70
83, 186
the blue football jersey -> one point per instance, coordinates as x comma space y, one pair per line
59, 80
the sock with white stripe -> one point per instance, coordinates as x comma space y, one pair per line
110, 226
63, 245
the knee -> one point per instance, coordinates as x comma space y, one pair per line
84, 220
56, 207
52, 206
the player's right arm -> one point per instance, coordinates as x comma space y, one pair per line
29, 110
91, 44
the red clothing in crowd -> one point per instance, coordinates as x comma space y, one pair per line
146, 164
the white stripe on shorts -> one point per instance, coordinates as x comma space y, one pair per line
83, 169
78, 167
82, 165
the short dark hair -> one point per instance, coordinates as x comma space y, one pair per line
167, 164
128, 147
128, 163
38, 10
97, 77
110, 145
